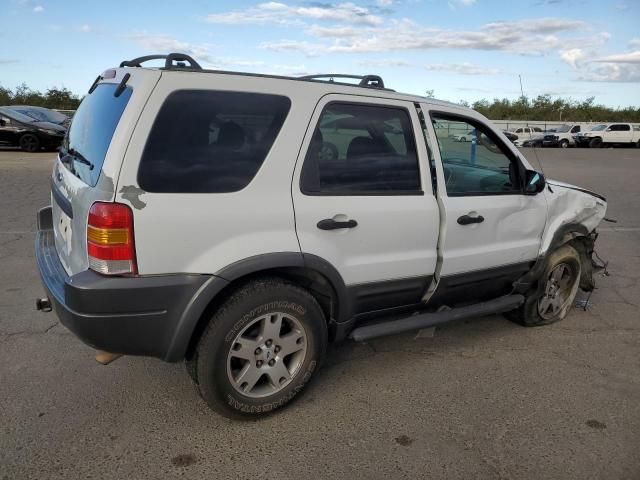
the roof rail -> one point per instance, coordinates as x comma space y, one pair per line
371, 81
172, 61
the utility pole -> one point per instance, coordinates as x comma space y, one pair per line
521, 90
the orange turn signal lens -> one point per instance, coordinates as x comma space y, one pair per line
107, 236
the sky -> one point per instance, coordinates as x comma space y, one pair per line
459, 49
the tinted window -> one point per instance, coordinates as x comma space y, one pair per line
92, 129
620, 128
479, 167
361, 149
575, 129
210, 141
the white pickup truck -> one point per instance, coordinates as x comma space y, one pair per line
609, 134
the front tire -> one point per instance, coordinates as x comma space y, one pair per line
595, 143
564, 144
29, 143
553, 298
260, 349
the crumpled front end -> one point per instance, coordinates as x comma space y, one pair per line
570, 209
573, 215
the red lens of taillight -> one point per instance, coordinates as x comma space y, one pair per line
110, 241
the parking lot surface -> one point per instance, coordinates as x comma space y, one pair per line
480, 399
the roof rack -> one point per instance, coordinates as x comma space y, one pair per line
172, 60
371, 81
182, 61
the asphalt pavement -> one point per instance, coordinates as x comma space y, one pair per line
480, 399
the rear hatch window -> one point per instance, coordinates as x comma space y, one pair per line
86, 144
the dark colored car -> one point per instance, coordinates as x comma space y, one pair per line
27, 132
511, 136
42, 114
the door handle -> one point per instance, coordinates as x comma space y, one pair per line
468, 220
331, 224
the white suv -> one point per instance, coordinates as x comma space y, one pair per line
240, 222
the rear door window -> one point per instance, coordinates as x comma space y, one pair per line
620, 128
92, 129
361, 149
205, 141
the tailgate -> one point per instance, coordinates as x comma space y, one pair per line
90, 158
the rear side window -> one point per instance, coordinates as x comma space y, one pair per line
92, 128
205, 141
620, 128
361, 149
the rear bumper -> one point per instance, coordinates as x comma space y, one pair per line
152, 316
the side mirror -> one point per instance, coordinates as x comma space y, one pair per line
534, 183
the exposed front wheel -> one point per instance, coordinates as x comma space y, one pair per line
260, 349
29, 142
564, 143
595, 143
553, 298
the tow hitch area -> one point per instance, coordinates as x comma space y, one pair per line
105, 358
43, 304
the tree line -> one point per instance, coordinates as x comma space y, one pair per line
55, 98
546, 108
540, 108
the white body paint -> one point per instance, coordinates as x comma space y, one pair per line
397, 236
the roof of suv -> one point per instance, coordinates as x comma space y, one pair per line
372, 84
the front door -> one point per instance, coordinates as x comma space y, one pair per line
492, 230
363, 199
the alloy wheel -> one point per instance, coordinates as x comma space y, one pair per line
557, 291
267, 355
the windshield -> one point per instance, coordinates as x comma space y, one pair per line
597, 128
41, 114
563, 129
91, 131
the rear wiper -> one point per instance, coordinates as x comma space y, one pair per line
77, 156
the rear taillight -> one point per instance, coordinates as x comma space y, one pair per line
110, 245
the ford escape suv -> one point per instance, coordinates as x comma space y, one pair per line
240, 222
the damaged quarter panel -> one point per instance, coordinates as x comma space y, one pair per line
572, 209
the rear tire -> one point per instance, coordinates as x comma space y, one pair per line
551, 302
260, 349
595, 143
29, 143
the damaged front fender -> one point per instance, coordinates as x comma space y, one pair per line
572, 211
572, 216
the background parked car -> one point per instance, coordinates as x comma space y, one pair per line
525, 133
31, 135
511, 136
42, 114
465, 137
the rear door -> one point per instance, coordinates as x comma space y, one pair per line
492, 231
364, 202
619, 133
90, 158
